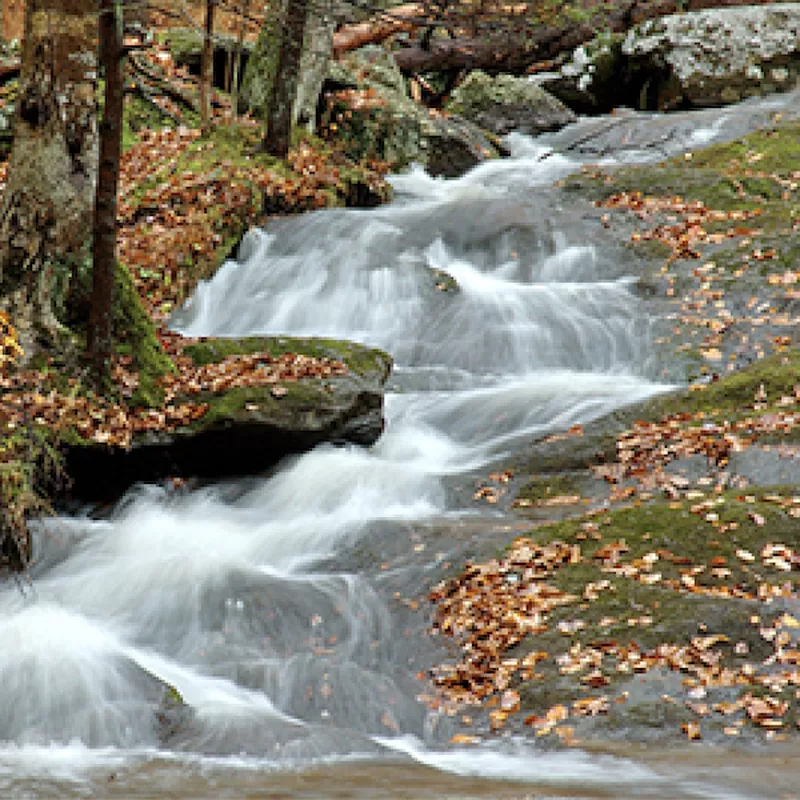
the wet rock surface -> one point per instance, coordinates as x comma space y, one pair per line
664, 545
504, 103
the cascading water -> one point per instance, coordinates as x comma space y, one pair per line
506, 319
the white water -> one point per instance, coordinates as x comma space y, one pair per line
225, 593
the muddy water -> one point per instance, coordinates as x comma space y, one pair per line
283, 609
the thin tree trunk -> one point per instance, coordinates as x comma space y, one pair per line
207, 67
284, 89
100, 335
244, 8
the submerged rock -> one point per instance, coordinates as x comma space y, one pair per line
504, 103
247, 429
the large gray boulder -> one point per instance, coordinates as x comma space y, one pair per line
694, 60
504, 103
247, 429
369, 112
719, 56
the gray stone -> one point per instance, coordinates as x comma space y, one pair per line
504, 103
386, 124
693, 60
719, 56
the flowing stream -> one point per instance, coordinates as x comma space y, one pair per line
271, 605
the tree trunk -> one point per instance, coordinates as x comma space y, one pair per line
284, 89
244, 9
207, 66
52, 175
104, 249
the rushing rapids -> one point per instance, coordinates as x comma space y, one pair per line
266, 605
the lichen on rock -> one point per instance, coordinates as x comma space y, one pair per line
504, 103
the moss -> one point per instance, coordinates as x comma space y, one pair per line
778, 374
542, 487
172, 695
139, 115
311, 397
136, 336
628, 611
262, 66
360, 360
30, 465
740, 175
651, 249
301, 396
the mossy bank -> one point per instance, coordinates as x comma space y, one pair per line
246, 429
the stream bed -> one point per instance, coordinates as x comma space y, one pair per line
286, 610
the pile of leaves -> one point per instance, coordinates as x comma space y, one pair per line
688, 230
644, 451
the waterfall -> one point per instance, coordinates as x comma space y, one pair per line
272, 606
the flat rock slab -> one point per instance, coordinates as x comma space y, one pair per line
246, 430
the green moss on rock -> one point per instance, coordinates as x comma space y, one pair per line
359, 359
136, 336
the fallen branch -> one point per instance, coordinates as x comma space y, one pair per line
378, 28
163, 86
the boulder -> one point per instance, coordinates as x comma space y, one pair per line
593, 80
368, 110
504, 103
698, 59
719, 56
246, 430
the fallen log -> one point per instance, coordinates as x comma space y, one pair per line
378, 29
9, 70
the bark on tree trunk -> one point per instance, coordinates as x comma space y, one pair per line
207, 67
50, 193
100, 334
279, 118
244, 9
